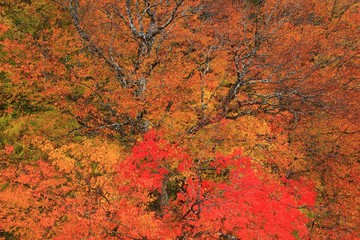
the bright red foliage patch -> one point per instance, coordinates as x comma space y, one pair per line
216, 197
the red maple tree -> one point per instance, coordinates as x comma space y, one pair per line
222, 196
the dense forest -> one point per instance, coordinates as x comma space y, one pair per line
179, 119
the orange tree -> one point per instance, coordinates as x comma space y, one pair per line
235, 58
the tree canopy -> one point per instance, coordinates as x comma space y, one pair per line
125, 119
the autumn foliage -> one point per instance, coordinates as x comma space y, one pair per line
222, 196
124, 119
161, 191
